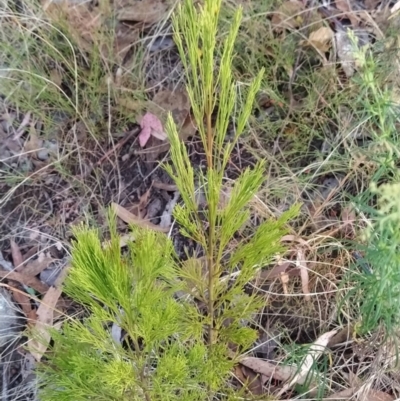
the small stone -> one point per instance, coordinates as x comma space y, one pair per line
49, 275
42, 154
52, 145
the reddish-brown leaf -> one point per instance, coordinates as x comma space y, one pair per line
17, 258
23, 300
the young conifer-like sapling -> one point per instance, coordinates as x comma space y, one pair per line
183, 324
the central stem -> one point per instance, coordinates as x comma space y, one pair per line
210, 138
211, 227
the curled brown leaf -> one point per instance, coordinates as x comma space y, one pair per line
29, 281
130, 218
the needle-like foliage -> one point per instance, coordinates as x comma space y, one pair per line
183, 324
377, 281
213, 92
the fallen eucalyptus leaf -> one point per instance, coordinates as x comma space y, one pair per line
288, 15
44, 322
144, 11
151, 126
130, 218
321, 39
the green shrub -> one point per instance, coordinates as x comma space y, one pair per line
184, 324
377, 280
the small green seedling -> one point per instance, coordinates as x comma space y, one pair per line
183, 324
